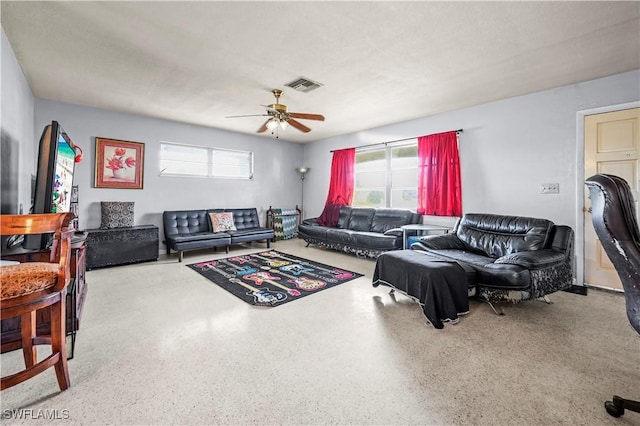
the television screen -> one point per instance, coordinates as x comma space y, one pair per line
54, 178
63, 177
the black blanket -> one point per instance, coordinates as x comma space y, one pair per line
439, 285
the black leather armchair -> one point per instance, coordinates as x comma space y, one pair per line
616, 224
515, 258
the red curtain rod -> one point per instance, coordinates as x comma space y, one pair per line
388, 142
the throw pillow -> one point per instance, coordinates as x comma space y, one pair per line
116, 214
221, 222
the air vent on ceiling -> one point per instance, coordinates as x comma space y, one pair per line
303, 85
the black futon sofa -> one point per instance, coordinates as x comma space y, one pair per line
191, 230
515, 258
362, 231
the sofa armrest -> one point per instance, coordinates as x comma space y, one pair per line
439, 242
310, 221
396, 232
534, 259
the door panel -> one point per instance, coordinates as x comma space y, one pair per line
612, 146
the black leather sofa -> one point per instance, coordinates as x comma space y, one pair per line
191, 230
361, 231
515, 258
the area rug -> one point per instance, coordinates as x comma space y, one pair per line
271, 278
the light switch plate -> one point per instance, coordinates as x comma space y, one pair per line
550, 188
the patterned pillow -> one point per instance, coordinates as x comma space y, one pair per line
222, 222
116, 214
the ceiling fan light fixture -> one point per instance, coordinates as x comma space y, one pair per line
272, 124
280, 118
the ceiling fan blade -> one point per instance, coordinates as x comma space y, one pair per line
318, 117
263, 128
298, 125
250, 115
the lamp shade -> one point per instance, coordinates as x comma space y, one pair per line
272, 124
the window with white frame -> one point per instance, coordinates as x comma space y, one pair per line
387, 176
197, 161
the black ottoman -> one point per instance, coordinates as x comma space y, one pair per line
441, 286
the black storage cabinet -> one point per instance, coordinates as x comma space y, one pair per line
121, 246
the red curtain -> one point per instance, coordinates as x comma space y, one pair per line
342, 177
439, 187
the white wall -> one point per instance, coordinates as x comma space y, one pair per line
276, 182
508, 148
16, 122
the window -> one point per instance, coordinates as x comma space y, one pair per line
387, 177
197, 161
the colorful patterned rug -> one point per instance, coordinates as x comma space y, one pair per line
271, 278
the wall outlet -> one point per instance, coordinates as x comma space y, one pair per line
550, 188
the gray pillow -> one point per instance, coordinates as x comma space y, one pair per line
116, 214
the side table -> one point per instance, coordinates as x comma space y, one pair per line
420, 229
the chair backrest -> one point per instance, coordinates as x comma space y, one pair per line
615, 223
498, 235
56, 223
183, 222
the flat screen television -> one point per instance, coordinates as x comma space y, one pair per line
54, 178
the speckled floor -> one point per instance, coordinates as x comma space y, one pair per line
160, 344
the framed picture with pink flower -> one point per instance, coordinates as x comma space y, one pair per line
119, 164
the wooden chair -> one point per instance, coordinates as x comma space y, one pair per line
28, 287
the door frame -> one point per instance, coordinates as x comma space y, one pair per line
580, 178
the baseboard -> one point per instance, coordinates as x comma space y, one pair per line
577, 289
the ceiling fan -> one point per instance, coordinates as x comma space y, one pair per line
279, 117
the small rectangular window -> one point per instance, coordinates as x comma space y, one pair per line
197, 161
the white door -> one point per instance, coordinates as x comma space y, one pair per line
612, 146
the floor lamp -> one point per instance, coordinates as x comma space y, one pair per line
303, 171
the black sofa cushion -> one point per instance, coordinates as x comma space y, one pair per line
343, 217
361, 219
250, 234
340, 236
313, 231
387, 219
199, 236
245, 218
498, 236
183, 222
376, 241
184, 243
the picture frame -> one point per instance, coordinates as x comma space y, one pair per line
74, 194
119, 164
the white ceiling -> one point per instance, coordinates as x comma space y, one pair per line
379, 62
